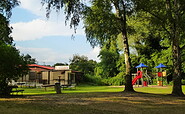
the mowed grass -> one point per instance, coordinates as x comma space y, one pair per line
89, 89
94, 100
79, 89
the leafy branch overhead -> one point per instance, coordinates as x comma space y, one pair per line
72, 8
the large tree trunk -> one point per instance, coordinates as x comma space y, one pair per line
121, 16
128, 76
175, 39
177, 87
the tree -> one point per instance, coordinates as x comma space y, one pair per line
60, 64
5, 13
6, 6
29, 59
103, 23
109, 57
82, 64
76, 9
169, 16
12, 66
5, 30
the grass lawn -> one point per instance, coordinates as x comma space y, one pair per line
95, 99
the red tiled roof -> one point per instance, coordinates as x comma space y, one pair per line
40, 66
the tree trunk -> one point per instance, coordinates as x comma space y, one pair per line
175, 39
121, 16
177, 87
128, 76
177, 75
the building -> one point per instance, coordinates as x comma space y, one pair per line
49, 75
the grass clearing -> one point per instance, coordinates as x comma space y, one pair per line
95, 99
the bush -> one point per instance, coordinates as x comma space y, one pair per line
117, 80
183, 82
92, 79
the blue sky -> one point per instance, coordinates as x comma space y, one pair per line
47, 40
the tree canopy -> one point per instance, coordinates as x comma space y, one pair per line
12, 64
82, 64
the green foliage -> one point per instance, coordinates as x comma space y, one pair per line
60, 64
169, 19
93, 80
116, 81
12, 66
100, 22
5, 31
6, 6
29, 59
183, 82
72, 8
109, 57
82, 64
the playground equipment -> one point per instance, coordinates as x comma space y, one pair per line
160, 74
145, 78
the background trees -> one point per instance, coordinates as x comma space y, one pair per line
29, 59
12, 64
82, 64
86, 66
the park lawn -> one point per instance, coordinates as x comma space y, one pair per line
94, 99
79, 89
89, 89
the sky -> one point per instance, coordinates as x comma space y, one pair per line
49, 41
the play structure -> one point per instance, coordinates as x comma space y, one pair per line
144, 79
160, 74
141, 75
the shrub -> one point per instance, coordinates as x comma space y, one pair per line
117, 80
92, 79
183, 82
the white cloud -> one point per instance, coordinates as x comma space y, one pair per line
39, 28
94, 53
44, 55
33, 6
49, 56
36, 8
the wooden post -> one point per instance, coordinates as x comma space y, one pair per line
58, 88
142, 77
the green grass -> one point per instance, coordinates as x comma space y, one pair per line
89, 89
79, 89
87, 99
155, 90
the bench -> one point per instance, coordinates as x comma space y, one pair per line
69, 86
14, 89
45, 86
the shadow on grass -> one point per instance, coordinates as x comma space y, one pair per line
96, 102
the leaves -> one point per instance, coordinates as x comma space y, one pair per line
82, 64
6, 6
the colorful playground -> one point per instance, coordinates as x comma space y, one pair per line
144, 79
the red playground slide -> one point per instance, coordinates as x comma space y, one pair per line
139, 75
